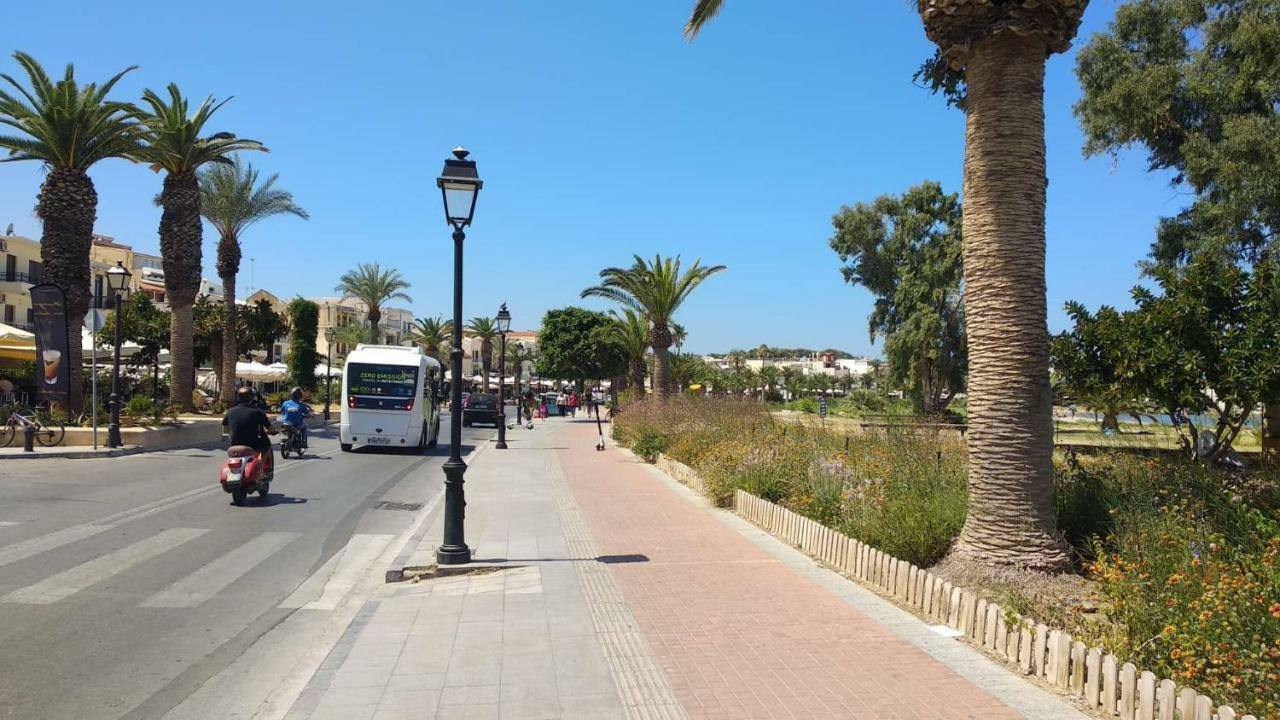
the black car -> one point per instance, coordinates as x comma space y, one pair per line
480, 408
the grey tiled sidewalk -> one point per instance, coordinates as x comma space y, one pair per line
515, 640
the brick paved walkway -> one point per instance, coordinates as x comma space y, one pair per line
739, 634
612, 594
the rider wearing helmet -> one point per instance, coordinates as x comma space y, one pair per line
248, 425
293, 412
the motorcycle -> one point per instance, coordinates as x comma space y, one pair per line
291, 442
244, 472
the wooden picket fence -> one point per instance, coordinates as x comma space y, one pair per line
1093, 676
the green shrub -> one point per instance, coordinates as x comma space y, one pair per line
649, 446
140, 406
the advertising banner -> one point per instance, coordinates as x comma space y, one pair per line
53, 371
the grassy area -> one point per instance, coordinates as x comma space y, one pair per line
1067, 433
1179, 564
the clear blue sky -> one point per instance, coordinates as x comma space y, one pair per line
599, 132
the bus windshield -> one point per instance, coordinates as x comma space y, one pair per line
397, 381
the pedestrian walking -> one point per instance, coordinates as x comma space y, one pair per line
573, 403
562, 404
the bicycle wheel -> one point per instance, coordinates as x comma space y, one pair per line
6, 434
49, 432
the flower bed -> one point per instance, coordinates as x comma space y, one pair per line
1182, 561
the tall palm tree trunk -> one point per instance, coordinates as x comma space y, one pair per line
375, 317
180, 234
67, 206
486, 362
638, 373
1010, 438
228, 268
662, 370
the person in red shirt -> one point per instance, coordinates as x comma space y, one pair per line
573, 403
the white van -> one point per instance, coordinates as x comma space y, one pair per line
390, 394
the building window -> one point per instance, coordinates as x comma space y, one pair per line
35, 270
8, 313
97, 291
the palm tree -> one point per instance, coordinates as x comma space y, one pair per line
657, 289
486, 329
762, 352
232, 199
68, 128
1001, 49
769, 380
632, 331
678, 336
517, 355
433, 335
374, 287
350, 335
174, 146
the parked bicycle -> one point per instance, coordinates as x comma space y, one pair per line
48, 430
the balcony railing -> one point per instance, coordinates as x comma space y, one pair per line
18, 277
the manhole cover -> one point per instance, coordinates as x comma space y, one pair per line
387, 505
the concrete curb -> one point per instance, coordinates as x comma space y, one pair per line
395, 572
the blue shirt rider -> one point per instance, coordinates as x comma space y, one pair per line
294, 413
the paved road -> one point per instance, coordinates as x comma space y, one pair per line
127, 583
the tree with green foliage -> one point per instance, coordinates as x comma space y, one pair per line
260, 326
632, 331
143, 324
484, 329
578, 344
173, 144
1207, 343
1087, 361
657, 289
906, 250
689, 369
231, 200
375, 287
433, 335
997, 50
304, 323
1197, 84
67, 128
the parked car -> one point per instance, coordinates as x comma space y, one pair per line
551, 399
480, 408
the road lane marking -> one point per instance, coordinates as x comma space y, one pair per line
211, 579
43, 543
7, 524
69, 582
339, 575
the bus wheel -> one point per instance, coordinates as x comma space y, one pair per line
346, 447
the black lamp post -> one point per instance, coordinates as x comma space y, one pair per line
459, 185
328, 371
118, 282
504, 324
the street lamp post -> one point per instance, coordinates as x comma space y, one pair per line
459, 185
504, 324
328, 371
118, 282
516, 387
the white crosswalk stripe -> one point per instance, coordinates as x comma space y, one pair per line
211, 579
329, 585
69, 582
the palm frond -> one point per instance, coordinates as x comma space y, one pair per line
703, 12
63, 124
173, 140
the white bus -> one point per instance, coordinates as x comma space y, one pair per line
390, 398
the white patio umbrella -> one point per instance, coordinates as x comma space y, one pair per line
322, 370
259, 372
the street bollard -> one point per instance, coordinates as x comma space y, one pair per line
28, 437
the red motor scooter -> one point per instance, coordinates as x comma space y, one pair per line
247, 471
